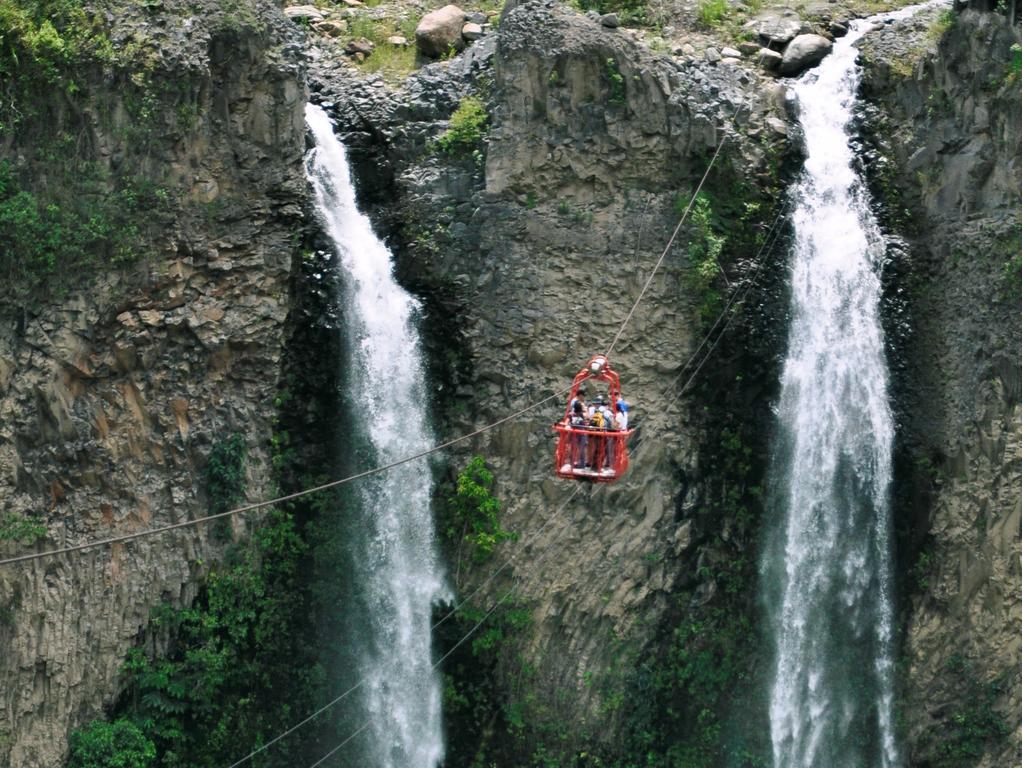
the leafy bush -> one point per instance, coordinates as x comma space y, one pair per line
197, 704
473, 511
120, 744
42, 44
706, 245
467, 127
50, 237
225, 474
24, 530
615, 82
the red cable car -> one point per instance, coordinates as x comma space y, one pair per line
585, 451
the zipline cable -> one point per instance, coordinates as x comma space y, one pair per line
674, 235
281, 499
610, 349
385, 467
764, 251
464, 637
510, 560
768, 242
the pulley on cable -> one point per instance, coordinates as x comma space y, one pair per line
592, 438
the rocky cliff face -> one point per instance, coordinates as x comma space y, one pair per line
113, 394
948, 111
530, 248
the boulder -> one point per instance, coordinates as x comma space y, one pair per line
688, 49
838, 29
472, 31
439, 31
331, 27
307, 13
748, 47
769, 59
712, 55
610, 20
803, 52
359, 45
399, 41
730, 53
776, 27
476, 17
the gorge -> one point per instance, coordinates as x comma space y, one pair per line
198, 316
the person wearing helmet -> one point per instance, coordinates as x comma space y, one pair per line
621, 418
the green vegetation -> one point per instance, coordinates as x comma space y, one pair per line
472, 512
711, 13
52, 234
922, 571
393, 62
1014, 74
467, 127
941, 25
615, 82
225, 478
23, 530
480, 716
705, 248
43, 44
111, 745
973, 726
195, 704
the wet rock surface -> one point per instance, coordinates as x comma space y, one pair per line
947, 153
528, 249
112, 398
803, 52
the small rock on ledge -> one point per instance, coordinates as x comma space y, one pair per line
472, 31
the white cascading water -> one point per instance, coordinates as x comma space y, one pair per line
828, 566
399, 573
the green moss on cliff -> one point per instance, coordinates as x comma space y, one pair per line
44, 44
76, 220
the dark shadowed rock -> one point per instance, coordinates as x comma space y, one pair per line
803, 52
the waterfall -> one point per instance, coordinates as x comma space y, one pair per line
827, 564
396, 570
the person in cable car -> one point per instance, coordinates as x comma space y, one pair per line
592, 439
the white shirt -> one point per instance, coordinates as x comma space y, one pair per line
621, 420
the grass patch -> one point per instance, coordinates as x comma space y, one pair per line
941, 25
393, 62
711, 14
